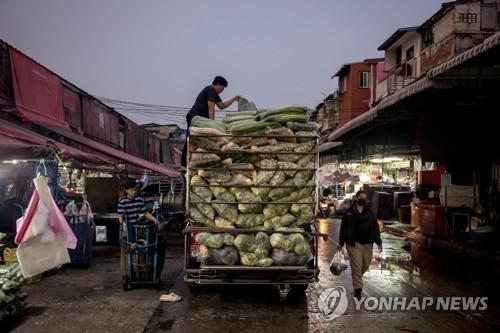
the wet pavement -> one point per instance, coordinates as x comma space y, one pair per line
267, 309
93, 300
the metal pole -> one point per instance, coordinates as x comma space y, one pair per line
188, 174
316, 196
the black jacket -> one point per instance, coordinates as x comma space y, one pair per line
359, 227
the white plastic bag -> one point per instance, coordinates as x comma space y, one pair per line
101, 234
338, 264
246, 105
44, 242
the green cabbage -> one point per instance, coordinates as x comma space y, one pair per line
198, 217
204, 208
248, 221
287, 219
203, 192
245, 243
264, 177
273, 210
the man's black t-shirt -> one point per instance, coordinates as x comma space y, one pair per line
200, 106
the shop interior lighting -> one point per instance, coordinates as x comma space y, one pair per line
386, 160
14, 161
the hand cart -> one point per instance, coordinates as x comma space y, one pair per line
141, 246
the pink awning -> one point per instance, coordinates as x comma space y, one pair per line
37, 91
10, 143
115, 153
23, 138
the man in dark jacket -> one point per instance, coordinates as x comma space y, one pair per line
359, 230
204, 105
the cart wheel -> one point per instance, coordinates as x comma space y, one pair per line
125, 283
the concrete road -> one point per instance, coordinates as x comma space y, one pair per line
267, 309
78, 300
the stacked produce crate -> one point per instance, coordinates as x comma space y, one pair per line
12, 296
252, 187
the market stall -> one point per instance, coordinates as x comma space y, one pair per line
388, 180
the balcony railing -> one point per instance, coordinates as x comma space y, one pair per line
397, 77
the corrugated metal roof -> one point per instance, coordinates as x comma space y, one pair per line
395, 36
345, 67
445, 8
354, 123
417, 86
409, 90
329, 145
390, 100
488, 44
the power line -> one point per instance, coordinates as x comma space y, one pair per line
155, 106
127, 105
166, 113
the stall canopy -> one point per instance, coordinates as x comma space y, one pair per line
100, 122
115, 153
37, 91
6, 94
24, 139
13, 148
72, 108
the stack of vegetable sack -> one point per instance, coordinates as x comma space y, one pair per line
260, 177
12, 296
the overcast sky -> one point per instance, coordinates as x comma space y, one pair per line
275, 52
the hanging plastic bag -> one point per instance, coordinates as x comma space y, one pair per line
338, 264
43, 234
246, 105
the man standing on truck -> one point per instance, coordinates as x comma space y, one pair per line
359, 230
204, 105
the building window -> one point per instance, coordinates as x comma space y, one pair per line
427, 38
410, 53
364, 79
399, 52
467, 18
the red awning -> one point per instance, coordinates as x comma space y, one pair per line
72, 108
24, 138
115, 153
37, 91
7, 142
12, 148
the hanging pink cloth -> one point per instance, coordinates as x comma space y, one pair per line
43, 235
49, 216
24, 221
